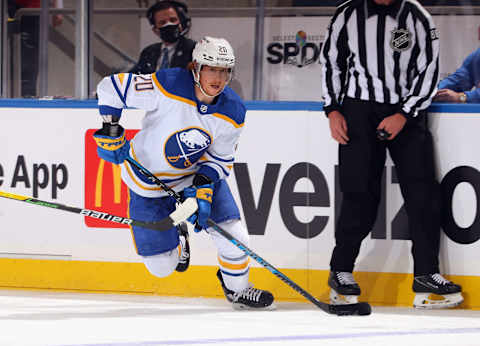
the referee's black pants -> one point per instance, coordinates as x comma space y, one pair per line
361, 164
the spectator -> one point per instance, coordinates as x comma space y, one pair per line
170, 22
462, 86
12, 8
30, 30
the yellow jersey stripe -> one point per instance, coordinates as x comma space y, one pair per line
190, 102
162, 174
121, 76
134, 179
140, 184
227, 119
169, 95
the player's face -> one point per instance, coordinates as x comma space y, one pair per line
214, 79
162, 17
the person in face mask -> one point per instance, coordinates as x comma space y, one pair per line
170, 22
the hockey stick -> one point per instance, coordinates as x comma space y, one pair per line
345, 309
182, 212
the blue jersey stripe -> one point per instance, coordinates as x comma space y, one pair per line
112, 77
220, 159
126, 89
214, 163
232, 274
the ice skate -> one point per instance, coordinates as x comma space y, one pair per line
426, 285
184, 258
344, 288
249, 299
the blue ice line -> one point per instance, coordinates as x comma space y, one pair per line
293, 337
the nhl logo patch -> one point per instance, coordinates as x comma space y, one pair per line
401, 40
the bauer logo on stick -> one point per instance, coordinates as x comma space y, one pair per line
105, 216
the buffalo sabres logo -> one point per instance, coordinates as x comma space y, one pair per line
401, 40
185, 147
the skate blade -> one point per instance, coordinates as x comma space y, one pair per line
425, 301
240, 306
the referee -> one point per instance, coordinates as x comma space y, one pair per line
379, 74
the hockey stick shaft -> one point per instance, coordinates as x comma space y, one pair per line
181, 214
271, 268
324, 306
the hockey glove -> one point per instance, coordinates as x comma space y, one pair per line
111, 143
203, 194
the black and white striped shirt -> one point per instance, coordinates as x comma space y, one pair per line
386, 54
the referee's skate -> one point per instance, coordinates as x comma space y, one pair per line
343, 288
426, 285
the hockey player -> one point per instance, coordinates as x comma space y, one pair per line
188, 138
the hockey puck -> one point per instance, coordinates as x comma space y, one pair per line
359, 309
364, 309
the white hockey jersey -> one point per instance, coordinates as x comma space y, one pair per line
180, 136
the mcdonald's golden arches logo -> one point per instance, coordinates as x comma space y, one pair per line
104, 189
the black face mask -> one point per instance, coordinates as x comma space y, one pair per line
170, 33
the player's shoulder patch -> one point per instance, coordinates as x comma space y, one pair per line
175, 81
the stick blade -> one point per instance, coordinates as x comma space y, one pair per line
360, 309
184, 211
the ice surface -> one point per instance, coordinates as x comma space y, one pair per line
59, 318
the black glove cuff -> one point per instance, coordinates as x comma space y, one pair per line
200, 179
112, 129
